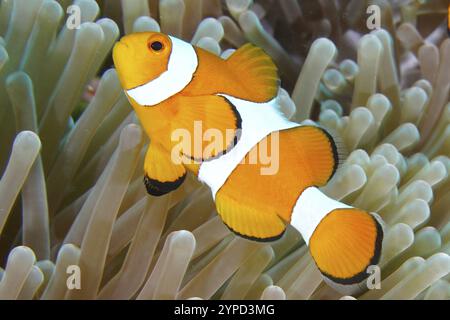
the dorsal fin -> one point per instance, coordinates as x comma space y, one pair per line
256, 71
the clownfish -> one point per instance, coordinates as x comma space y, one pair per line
173, 85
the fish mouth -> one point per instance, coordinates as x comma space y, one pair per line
120, 51
122, 42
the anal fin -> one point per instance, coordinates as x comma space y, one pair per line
249, 222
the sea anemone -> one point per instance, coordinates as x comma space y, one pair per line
71, 149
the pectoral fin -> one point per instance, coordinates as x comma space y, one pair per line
213, 124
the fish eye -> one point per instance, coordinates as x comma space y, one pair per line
156, 46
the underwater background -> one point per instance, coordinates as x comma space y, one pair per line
376, 72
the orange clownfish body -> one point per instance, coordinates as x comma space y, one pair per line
179, 90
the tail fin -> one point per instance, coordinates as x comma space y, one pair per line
343, 241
